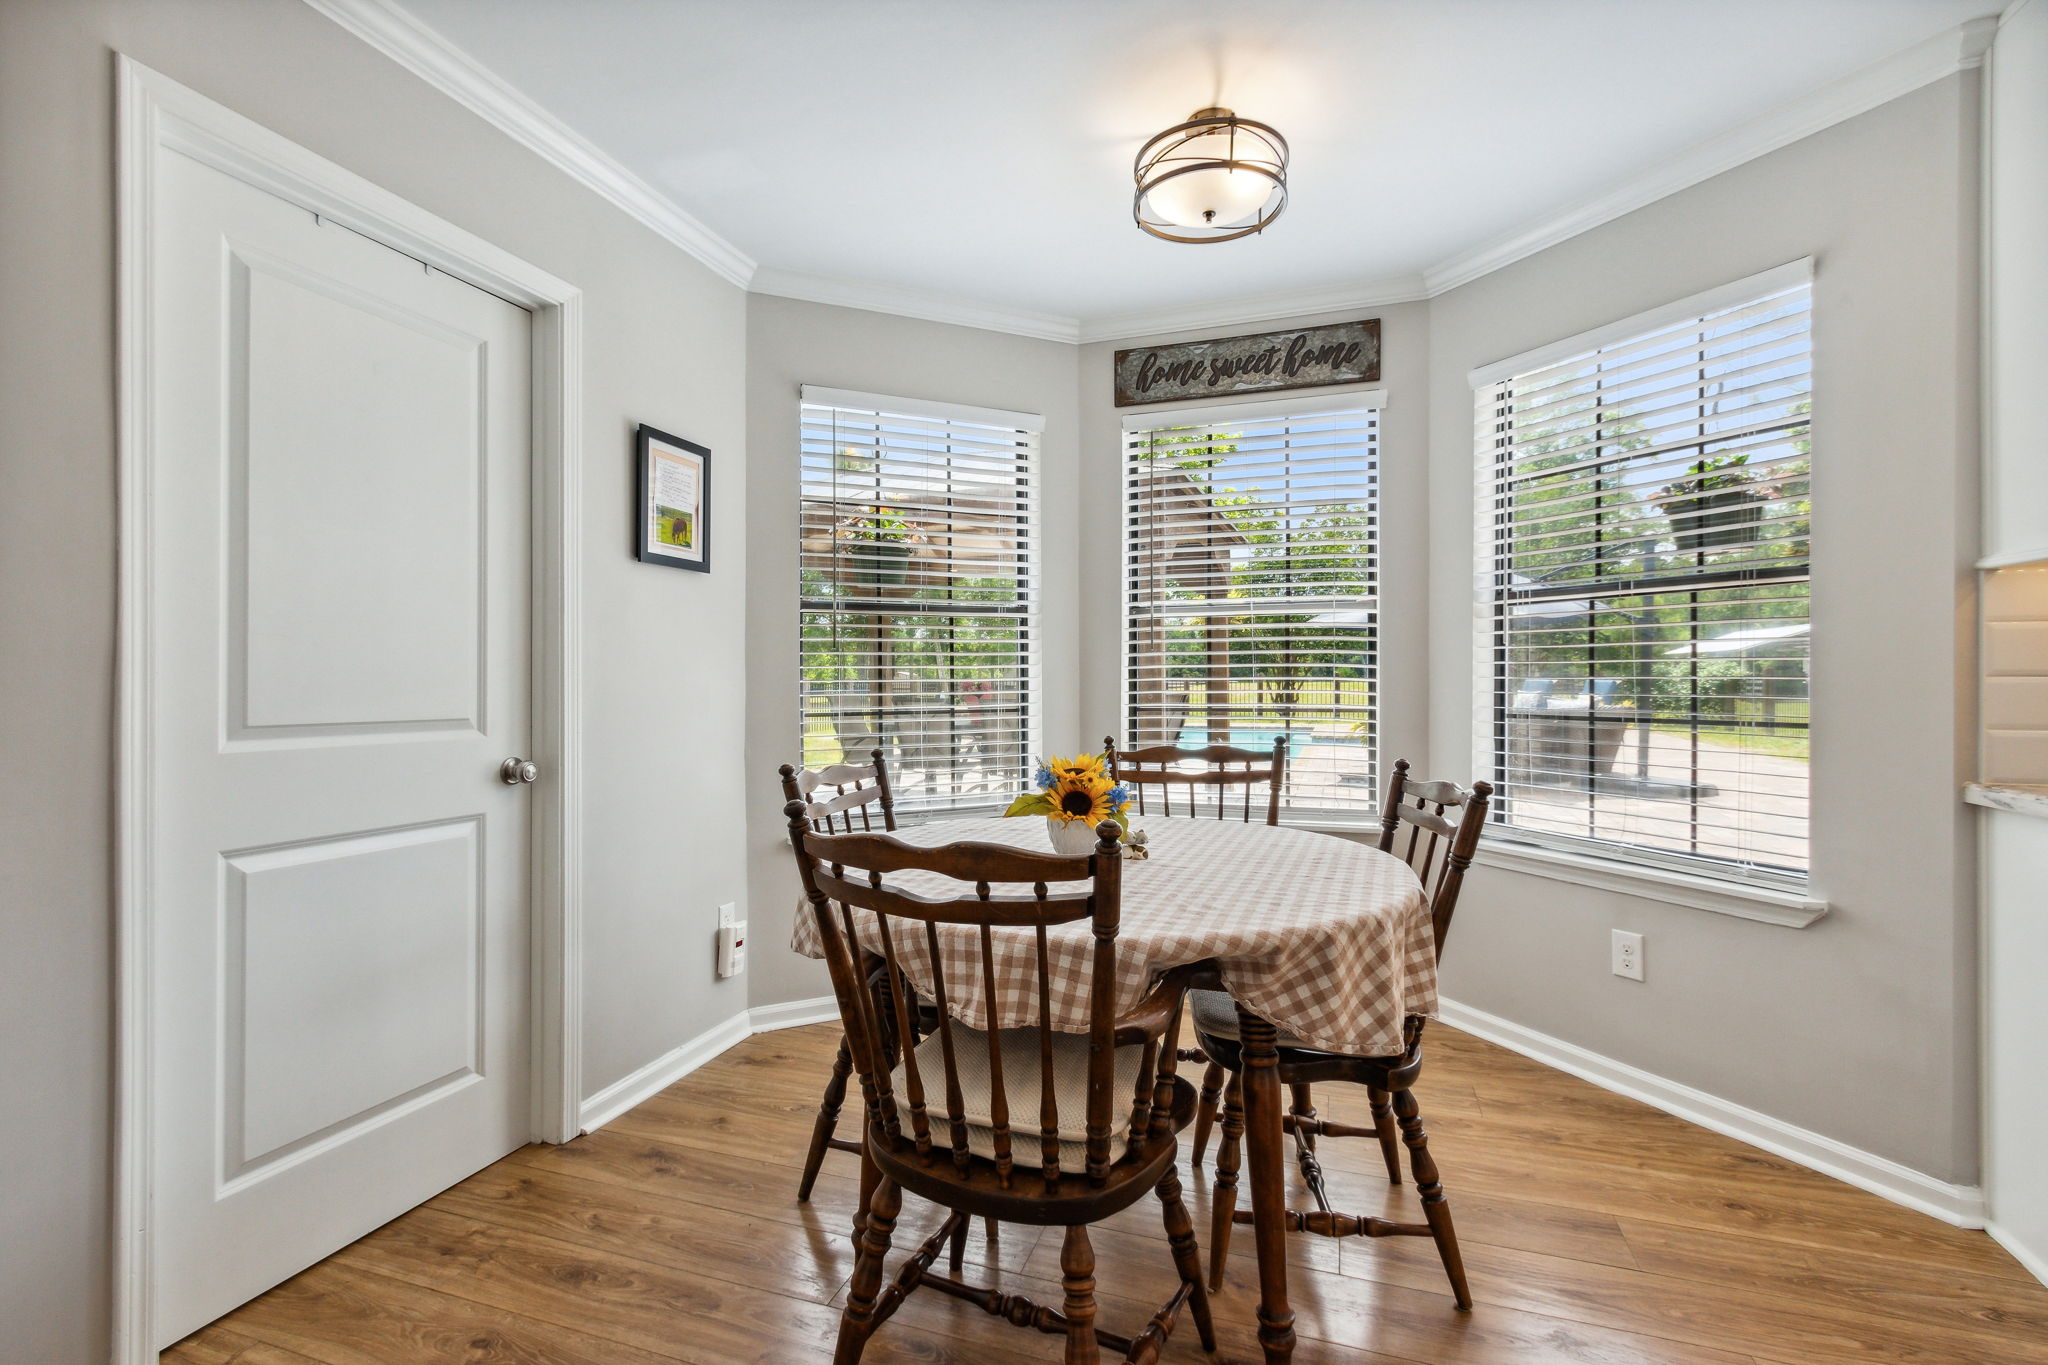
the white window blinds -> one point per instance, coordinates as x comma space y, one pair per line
919, 582
1251, 538
1645, 522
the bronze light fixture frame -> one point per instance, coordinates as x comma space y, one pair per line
1158, 163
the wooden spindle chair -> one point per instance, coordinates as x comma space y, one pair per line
1167, 766
1439, 848
939, 1114
858, 799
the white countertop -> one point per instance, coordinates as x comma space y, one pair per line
2021, 798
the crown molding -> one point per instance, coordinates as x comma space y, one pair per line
424, 52
914, 303
1946, 53
1333, 298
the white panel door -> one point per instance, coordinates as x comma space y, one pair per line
339, 573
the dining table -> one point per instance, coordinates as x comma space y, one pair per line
1321, 936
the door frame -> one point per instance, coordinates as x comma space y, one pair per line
154, 112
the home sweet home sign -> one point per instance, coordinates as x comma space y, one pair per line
1299, 358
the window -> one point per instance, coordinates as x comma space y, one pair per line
1645, 540
918, 574
1251, 537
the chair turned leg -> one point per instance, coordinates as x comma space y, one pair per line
870, 1176
857, 1323
1223, 1194
1435, 1207
828, 1119
957, 1253
1205, 1113
1302, 1105
1187, 1257
1390, 1136
1077, 1267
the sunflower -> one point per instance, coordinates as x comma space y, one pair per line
1071, 789
1080, 766
1084, 797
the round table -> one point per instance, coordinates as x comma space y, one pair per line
1324, 937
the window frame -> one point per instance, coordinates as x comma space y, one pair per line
1029, 429
1780, 896
1365, 819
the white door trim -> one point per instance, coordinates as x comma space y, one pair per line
155, 112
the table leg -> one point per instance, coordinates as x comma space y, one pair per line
1264, 1140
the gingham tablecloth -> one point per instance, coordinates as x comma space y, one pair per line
1322, 936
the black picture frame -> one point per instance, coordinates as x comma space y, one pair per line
654, 535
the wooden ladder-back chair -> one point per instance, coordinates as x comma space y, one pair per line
1166, 766
1435, 828
841, 799
939, 1114
1162, 766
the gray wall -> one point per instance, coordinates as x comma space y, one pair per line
665, 343
1861, 1026
2016, 523
789, 344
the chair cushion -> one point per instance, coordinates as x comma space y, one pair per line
1020, 1053
1215, 1014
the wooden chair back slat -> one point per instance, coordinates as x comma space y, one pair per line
913, 1081
862, 917
857, 789
1158, 766
999, 1094
1438, 848
1048, 1098
956, 1100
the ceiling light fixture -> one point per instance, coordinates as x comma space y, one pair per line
1215, 178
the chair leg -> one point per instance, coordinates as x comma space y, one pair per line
1187, 1257
958, 1252
1205, 1113
1223, 1194
870, 1176
1390, 1136
857, 1323
1435, 1207
1302, 1107
1077, 1267
828, 1119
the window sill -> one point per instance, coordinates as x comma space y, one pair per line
1763, 904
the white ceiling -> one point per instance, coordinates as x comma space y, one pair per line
981, 149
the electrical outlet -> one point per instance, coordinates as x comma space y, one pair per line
728, 914
1628, 955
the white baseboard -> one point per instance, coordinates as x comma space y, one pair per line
665, 1070
1962, 1205
2033, 1262
661, 1073
793, 1013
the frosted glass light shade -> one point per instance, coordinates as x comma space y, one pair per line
1213, 178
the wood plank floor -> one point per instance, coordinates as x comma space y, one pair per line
1595, 1229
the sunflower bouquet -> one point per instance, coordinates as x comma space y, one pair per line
1074, 795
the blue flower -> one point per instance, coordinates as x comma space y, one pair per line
1043, 777
1119, 794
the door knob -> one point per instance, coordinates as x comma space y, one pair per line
517, 770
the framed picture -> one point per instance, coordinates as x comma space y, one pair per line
675, 502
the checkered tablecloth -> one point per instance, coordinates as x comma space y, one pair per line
1323, 936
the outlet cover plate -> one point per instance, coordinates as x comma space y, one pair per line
1628, 955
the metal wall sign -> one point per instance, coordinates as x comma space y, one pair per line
1299, 358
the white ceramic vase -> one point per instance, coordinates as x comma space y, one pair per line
1070, 838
